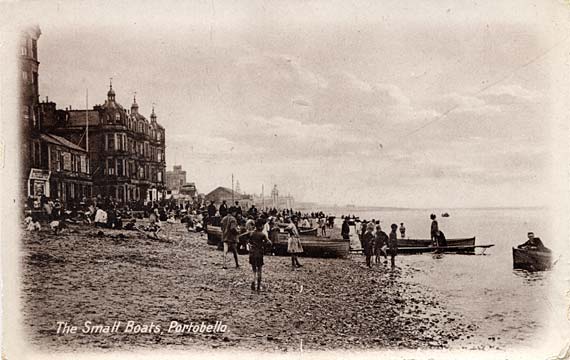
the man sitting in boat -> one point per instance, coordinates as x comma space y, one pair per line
533, 243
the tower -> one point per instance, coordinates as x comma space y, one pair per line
111, 92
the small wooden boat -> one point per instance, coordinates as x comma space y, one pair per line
214, 234
215, 239
532, 260
422, 243
315, 246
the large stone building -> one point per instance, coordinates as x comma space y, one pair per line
126, 150
50, 165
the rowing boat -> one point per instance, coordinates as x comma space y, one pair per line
532, 260
315, 246
424, 243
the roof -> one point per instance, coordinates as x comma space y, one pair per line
224, 193
58, 140
77, 117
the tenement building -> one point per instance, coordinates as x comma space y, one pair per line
126, 150
50, 165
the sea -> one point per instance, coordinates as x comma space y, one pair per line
510, 308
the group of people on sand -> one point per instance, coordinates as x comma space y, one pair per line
376, 243
258, 233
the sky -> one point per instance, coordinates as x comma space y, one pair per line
404, 103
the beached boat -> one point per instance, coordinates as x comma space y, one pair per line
308, 231
531, 260
410, 242
315, 246
214, 234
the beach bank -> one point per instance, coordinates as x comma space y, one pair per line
121, 276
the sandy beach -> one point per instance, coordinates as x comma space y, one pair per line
80, 276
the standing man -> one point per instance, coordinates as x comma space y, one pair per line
237, 208
230, 231
212, 209
223, 209
345, 231
434, 230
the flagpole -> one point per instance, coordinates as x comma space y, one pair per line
232, 187
87, 120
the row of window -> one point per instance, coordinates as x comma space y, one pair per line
29, 47
30, 77
133, 124
128, 168
120, 142
58, 160
66, 161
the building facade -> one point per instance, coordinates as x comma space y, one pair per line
50, 165
29, 98
126, 150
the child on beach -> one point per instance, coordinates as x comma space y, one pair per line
257, 243
368, 242
380, 244
294, 246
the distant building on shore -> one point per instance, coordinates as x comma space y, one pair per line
177, 188
221, 193
50, 165
176, 178
274, 200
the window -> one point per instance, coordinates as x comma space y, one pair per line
160, 176
117, 117
35, 48
159, 135
159, 155
25, 76
120, 167
110, 166
36, 153
141, 172
24, 50
110, 141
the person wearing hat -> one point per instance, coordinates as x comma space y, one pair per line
434, 230
258, 241
212, 209
381, 241
393, 245
533, 243
223, 208
368, 242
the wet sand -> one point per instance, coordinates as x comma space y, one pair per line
328, 304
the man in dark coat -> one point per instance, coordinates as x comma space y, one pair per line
223, 209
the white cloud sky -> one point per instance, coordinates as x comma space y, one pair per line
324, 100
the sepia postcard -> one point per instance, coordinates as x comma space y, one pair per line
298, 180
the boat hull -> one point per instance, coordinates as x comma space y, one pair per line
315, 246
531, 260
424, 243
